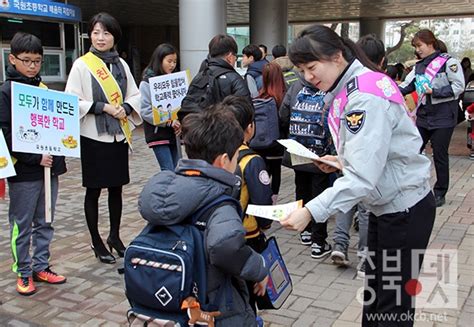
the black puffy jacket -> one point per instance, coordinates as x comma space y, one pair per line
230, 83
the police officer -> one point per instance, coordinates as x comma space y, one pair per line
378, 147
438, 102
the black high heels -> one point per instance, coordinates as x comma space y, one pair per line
105, 257
117, 246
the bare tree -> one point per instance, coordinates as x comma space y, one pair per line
403, 27
344, 29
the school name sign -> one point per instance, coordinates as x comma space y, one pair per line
45, 121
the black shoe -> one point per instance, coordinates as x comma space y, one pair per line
117, 246
103, 255
339, 255
440, 200
320, 251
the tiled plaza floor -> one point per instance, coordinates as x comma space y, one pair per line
324, 295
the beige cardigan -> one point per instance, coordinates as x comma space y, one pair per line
79, 83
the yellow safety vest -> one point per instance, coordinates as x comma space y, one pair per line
250, 223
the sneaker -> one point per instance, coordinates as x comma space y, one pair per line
361, 270
318, 252
48, 276
305, 238
339, 255
25, 286
471, 156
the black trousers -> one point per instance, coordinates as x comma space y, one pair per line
440, 139
391, 239
308, 186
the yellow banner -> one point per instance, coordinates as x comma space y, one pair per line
110, 87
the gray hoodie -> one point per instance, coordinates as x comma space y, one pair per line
170, 197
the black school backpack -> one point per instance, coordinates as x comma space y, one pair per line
164, 265
267, 129
203, 91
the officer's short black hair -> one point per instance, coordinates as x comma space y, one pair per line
241, 108
25, 43
278, 51
210, 133
109, 23
222, 44
253, 50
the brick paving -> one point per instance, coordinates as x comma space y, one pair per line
323, 295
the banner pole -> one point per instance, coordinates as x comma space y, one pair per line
47, 194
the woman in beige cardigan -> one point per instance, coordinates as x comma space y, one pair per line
104, 148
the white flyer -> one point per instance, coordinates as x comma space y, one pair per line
297, 149
276, 212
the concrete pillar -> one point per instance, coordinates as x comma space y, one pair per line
372, 26
269, 22
199, 21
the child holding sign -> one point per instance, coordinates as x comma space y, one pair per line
161, 138
26, 189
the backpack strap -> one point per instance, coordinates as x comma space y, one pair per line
199, 220
201, 215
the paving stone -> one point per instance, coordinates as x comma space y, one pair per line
323, 294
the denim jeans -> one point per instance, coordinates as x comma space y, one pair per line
343, 226
167, 156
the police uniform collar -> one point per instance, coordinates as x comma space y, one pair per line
341, 82
341, 75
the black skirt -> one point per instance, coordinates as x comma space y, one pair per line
104, 164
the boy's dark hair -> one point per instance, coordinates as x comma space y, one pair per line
253, 50
392, 72
222, 44
278, 51
157, 57
241, 108
109, 23
25, 43
264, 48
373, 48
210, 133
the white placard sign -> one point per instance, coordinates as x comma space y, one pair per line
6, 162
167, 91
45, 121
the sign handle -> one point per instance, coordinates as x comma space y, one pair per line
47, 194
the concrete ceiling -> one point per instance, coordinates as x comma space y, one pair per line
165, 12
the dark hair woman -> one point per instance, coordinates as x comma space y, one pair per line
438, 80
160, 138
377, 145
109, 112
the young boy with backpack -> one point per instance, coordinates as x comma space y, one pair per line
212, 139
27, 205
255, 187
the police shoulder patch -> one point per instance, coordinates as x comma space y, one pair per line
264, 178
355, 120
454, 68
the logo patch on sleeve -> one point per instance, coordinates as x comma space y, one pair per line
454, 68
355, 120
264, 178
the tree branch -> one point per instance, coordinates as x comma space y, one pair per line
403, 27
